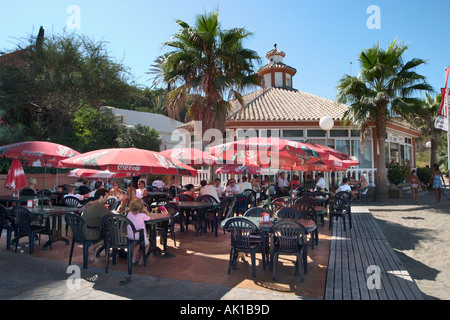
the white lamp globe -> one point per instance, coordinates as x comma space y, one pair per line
326, 123
428, 144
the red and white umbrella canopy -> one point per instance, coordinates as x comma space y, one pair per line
331, 151
240, 169
332, 164
129, 160
268, 152
37, 150
189, 156
92, 173
16, 177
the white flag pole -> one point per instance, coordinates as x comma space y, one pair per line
447, 107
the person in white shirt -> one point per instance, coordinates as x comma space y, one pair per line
344, 187
244, 185
141, 191
159, 184
282, 181
218, 187
320, 183
71, 193
208, 189
98, 184
232, 187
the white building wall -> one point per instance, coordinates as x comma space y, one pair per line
164, 125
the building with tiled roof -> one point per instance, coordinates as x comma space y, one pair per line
279, 109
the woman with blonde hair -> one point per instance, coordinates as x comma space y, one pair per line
138, 215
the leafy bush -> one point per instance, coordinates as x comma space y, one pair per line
424, 175
397, 174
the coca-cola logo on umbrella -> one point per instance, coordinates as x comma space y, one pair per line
163, 161
65, 152
128, 167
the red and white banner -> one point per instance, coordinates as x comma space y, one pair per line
443, 109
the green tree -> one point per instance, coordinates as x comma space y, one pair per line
141, 137
45, 83
93, 130
423, 118
385, 83
211, 66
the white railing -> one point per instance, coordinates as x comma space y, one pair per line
355, 173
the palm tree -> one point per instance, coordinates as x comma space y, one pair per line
385, 84
211, 66
423, 118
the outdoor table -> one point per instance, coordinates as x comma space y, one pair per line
200, 207
152, 224
58, 196
21, 199
55, 214
265, 227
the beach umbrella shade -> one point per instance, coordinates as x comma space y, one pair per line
267, 152
45, 151
92, 173
331, 151
332, 164
37, 150
189, 156
16, 177
240, 169
129, 160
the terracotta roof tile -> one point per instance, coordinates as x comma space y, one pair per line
284, 104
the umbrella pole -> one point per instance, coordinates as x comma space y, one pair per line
43, 184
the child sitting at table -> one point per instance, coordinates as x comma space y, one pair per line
138, 215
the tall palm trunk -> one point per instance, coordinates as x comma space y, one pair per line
381, 190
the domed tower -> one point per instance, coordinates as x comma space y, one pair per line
276, 73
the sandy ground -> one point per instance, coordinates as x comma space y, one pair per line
419, 234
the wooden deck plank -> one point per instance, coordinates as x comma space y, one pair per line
353, 251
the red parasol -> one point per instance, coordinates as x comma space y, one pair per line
331, 151
240, 169
268, 152
34, 150
129, 160
189, 156
45, 151
332, 164
92, 173
16, 179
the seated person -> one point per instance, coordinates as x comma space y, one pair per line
190, 190
232, 187
71, 193
360, 185
116, 192
244, 185
158, 184
126, 199
294, 183
321, 183
98, 184
141, 191
218, 187
344, 187
208, 189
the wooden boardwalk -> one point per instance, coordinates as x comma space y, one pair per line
363, 266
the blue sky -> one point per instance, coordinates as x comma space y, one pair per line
320, 38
